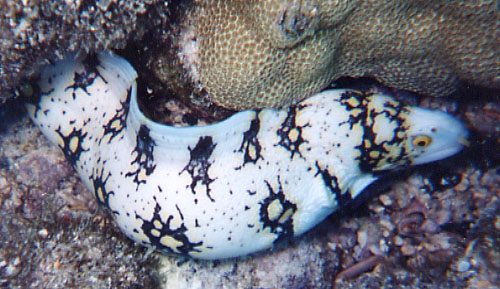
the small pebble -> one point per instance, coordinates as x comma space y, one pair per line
332, 246
398, 241
378, 209
385, 200
43, 233
386, 223
443, 240
463, 266
431, 247
429, 226
375, 250
13, 268
362, 238
408, 250
383, 246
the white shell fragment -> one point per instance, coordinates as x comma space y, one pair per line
236, 186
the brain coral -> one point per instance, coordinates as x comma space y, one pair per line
261, 53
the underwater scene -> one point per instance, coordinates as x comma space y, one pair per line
249, 144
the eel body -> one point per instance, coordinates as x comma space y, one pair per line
236, 186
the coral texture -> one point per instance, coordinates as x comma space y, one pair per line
259, 53
35, 32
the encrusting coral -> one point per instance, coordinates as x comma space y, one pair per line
272, 53
33, 33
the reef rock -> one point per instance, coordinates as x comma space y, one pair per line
32, 33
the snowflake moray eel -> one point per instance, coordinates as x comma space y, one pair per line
237, 186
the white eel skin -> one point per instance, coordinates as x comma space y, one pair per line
236, 186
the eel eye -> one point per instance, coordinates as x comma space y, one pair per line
421, 141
